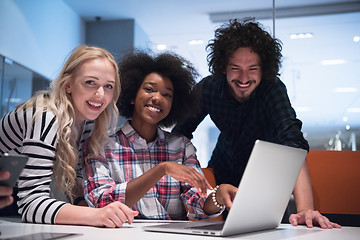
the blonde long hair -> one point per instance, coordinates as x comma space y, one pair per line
60, 103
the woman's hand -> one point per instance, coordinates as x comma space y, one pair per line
225, 195
189, 175
114, 215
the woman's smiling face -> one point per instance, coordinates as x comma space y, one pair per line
92, 88
153, 100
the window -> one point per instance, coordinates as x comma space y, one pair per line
18, 84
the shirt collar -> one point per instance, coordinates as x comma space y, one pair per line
223, 93
132, 135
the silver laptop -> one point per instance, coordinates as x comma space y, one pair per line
262, 197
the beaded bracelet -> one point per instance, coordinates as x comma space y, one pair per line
214, 198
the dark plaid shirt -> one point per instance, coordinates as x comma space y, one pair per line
267, 115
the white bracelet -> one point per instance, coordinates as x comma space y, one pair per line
213, 195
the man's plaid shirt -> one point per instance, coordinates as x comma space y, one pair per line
267, 115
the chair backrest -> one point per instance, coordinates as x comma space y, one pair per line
335, 178
209, 175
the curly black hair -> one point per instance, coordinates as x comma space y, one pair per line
233, 35
135, 66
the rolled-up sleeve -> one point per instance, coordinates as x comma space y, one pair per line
100, 188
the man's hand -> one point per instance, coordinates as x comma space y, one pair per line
311, 218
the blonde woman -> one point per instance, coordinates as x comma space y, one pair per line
51, 127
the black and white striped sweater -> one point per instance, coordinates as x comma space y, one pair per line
20, 134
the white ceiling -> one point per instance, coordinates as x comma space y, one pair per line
310, 84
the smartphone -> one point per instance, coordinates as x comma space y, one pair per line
14, 164
43, 236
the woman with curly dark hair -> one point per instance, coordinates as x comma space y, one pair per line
247, 101
147, 168
182, 74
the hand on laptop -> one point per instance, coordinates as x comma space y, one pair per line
226, 194
5, 192
311, 218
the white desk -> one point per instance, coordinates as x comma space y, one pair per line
129, 232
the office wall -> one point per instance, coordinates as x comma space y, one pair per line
141, 39
39, 34
116, 36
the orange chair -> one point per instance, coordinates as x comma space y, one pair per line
335, 178
209, 175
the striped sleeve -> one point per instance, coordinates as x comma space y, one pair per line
36, 139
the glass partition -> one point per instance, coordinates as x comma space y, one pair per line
320, 67
17, 84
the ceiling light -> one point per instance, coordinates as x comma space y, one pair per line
333, 62
345, 119
345, 90
301, 35
302, 109
353, 110
347, 127
161, 46
288, 12
357, 39
8, 61
15, 100
196, 42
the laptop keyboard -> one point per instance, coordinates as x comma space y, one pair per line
217, 226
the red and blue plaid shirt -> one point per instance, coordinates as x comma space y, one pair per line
126, 157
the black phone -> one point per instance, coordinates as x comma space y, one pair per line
14, 164
43, 236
